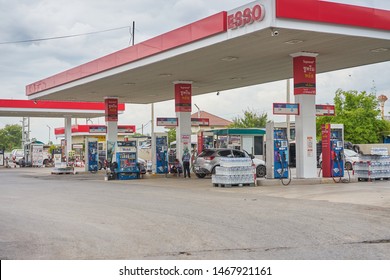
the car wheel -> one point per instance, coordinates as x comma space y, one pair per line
348, 166
200, 175
260, 171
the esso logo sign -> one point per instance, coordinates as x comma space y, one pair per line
246, 17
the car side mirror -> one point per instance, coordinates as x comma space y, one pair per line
252, 156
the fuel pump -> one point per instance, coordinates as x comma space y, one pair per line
333, 150
160, 147
277, 160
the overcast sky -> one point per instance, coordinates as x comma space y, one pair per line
25, 63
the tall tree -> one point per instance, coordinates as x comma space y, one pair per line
11, 137
360, 114
251, 119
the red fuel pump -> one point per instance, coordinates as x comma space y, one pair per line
333, 150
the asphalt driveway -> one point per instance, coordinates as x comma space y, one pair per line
44, 216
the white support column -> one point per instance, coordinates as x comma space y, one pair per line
183, 94
305, 132
68, 136
183, 133
112, 131
305, 122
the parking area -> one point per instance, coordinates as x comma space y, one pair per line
82, 216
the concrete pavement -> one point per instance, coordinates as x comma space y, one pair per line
44, 216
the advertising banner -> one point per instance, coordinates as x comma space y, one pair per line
111, 109
98, 129
1, 157
57, 155
126, 128
183, 93
200, 121
286, 108
325, 110
167, 121
304, 75
37, 155
200, 142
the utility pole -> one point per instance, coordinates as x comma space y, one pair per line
25, 130
49, 134
132, 33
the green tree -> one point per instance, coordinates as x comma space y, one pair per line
171, 135
359, 113
251, 119
11, 137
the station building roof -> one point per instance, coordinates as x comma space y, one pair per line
229, 50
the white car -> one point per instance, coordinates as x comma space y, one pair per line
350, 157
17, 155
206, 162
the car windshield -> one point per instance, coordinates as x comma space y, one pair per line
206, 153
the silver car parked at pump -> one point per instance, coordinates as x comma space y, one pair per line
209, 159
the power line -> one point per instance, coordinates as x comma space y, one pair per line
62, 37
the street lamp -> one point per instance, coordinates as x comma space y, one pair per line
49, 132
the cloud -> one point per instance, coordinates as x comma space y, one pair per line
22, 64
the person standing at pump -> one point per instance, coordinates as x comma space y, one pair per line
186, 163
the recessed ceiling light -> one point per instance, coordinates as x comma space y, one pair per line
165, 75
378, 50
229, 58
129, 84
236, 78
294, 42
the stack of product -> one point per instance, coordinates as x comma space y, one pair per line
375, 166
234, 172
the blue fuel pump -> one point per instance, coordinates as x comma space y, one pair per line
281, 153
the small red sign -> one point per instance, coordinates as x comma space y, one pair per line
304, 75
200, 121
325, 110
111, 107
183, 93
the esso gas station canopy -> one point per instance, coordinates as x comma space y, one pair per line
246, 46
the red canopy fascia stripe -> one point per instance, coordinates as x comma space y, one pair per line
336, 13
64, 105
198, 30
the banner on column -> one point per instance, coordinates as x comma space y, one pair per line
183, 93
185, 140
111, 109
304, 75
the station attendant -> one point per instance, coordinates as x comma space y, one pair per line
186, 163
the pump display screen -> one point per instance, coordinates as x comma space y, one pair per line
280, 134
